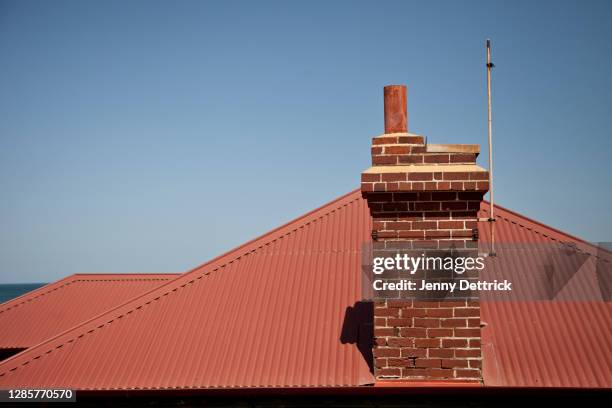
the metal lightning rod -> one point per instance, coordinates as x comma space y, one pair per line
492, 207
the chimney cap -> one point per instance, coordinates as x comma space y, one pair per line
396, 112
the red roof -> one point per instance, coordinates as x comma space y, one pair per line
561, 343
42, 313
271, 313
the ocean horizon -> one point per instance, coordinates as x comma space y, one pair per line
10, 291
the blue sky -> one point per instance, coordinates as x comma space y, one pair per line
151, 136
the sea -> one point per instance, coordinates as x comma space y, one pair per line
9, 291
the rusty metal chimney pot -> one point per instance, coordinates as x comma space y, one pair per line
396, 113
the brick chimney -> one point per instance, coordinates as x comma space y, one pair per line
427, 195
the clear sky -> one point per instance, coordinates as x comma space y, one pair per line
152, 136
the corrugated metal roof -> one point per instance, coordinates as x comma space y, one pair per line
270, 314
42, 313
267, 314
540, 343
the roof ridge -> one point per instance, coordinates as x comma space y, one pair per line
44, 290
70, 279
571, 238
140, 301
126, 279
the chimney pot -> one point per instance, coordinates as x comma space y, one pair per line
396, 113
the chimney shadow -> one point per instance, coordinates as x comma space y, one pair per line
358, 329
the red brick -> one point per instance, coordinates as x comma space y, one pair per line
384, 160
413, 312
420, 176
467, 312
473, 322
370, 177
475, 363
467, 373
384, 140
399, 303
387, 234
400, 362
380, 362
427, 206
424, 225
425, 304
405, 196
414, 352
461, 353
479, 175
388, 312
471, 196
367, 187
440, 312
437, 234
450, 224
439, 332
396, 149
462, 158
403, 225
475, 343
414, 372
399, 322
400, 342
380, 321
411, 139
426, 322
453, 303
427, 362
456, 176
438, 215
453, 363
437, 158
439, 373
384, 332
461, 234
411, 159
467, 332
380, 186
389, 372
393, 177
413, 332
427, 343
454, 343
386, 352
411, 234
471, 224
441, 353
454, 323
454, 205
